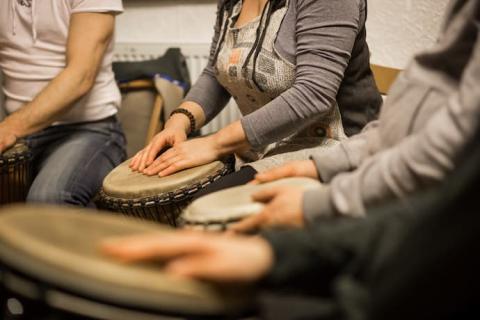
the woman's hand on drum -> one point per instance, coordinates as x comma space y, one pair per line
206, 256
305, 168
169, 137
283, 208
183, 155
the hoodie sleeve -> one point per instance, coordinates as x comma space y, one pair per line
421, 159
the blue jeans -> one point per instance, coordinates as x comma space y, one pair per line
70, 161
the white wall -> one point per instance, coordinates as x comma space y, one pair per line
399, 28
396, 28
170, 21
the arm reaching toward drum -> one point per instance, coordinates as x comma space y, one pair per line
89, 36
196, 152
213, 257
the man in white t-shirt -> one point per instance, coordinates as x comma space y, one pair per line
60, 93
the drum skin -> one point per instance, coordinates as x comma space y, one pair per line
217, 210
59, 249
156, 198
15, 174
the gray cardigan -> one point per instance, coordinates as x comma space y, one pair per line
430, 114
326, 40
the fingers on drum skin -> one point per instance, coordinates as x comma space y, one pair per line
202, 266
134, 164
267, 195
249, 224
146, 247
158, 166
175, 167
277, 173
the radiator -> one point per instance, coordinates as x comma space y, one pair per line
197, 58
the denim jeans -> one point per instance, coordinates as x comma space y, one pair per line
70, 161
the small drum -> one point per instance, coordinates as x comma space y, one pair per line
51, 266
15, 174
155, 198
216, 211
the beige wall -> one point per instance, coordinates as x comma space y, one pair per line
399, 28
396, 28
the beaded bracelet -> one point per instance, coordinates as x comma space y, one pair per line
193, 123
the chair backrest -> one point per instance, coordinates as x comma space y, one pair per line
139, 98
146, 105
384, 77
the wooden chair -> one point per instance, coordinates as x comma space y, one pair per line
384, 77
140, 113
146, 104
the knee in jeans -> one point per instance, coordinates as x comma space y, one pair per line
60, 197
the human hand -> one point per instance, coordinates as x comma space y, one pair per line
170, 136
283, 208
7, 138
184, 155
292, 169
207, 256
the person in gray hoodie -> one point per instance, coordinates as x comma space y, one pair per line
429, 115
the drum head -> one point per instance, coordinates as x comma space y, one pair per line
16, 150
123, 183
235, 203
59, 247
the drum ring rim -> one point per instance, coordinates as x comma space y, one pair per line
165, 199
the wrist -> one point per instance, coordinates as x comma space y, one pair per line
230, 139
222, 144
11, 125
178, 122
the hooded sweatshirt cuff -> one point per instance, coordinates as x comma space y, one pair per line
330, 162
317, 203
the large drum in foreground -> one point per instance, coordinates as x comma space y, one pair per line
216, 211
50, 262
155, 198
15, 174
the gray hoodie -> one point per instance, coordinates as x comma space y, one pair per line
431, 111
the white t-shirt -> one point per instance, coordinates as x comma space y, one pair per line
33, 40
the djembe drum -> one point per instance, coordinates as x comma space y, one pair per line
216, 211
15, 174
155, 198
50, 263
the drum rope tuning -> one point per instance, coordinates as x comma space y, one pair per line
15, 174
157, 199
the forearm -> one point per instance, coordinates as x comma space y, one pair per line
231, 139
88, 37
51, 103
419, 161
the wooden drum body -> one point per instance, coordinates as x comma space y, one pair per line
50, 259
15, 174
216, 211
154, 198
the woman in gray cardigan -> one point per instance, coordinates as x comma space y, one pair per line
292, 66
